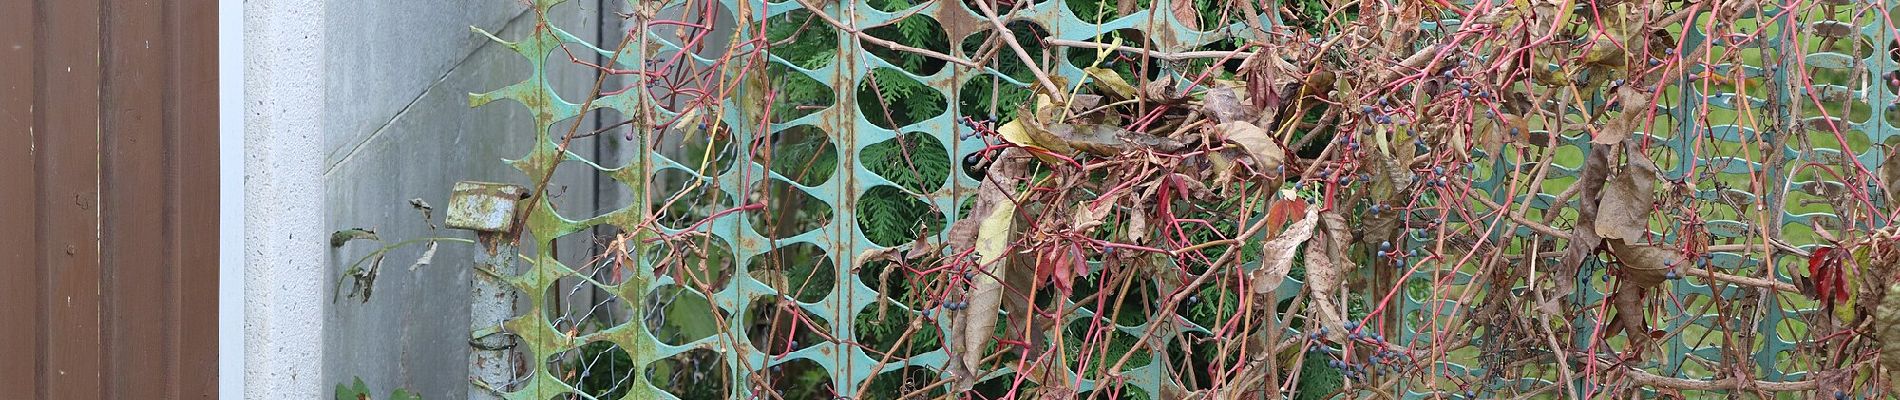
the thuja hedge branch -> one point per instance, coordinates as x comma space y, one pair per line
863, 36
1042, 76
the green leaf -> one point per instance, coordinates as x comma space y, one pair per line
403, 394
358, 391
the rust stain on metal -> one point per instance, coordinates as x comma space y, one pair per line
484, 206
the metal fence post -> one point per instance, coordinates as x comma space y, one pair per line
489, 210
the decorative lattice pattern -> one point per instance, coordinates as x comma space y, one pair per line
721, 214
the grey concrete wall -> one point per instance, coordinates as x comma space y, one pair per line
397, 126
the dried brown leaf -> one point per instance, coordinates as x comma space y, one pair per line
988, 232
1271, 80
1185, 14
1162, 91
427, 257
1887, 327
1636, 108
1628, 197
1266, 154
1583, 237
1090, 214
1326, 269
1224, 103
1103, 140
1138, 227
1276, 256
1644, 266
921, 248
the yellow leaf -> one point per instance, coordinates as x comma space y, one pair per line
1015, 133
1047, 109
992, 234
688, 123
986, 290
1111, 81
1223, 168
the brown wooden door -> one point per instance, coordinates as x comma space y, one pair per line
108, 199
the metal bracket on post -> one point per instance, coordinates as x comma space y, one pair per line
489, 210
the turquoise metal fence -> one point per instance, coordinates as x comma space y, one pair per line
718, 206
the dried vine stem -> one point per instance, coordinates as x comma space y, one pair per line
1042, 75
1186, 55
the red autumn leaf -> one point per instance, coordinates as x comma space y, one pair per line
1283, 211
1061, 266
1828, 283
1815, 271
